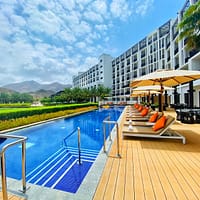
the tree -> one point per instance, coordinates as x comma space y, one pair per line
26, 98
190, 26
93, 94
4, 97
102, 92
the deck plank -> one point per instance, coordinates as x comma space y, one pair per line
119, 192
139, 189
129, 177
100, 192
183, 175
158, 169
155, 179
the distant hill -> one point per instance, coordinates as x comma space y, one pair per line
33, 86
41, 93
6, 90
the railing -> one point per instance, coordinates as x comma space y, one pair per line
108, 121
22, 140
79, 142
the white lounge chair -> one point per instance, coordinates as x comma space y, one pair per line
148, 132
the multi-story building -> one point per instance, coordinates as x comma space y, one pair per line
161, 49
99, 74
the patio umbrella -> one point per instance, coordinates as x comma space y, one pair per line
148, 90
166, 78
151, 88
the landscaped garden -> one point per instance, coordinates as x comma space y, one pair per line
16, 117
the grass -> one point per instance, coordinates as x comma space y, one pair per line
13, 123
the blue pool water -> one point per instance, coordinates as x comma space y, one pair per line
52, 163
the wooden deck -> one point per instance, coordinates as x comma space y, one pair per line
11, 197
154, 168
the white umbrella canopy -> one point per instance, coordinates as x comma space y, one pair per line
148, 90
166, 78
151, 88
138, 93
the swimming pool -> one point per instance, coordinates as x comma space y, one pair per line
50, 162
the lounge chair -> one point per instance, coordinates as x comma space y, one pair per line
148, 132
142, 119
138, 123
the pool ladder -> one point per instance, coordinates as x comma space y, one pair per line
108, 121
19, 139
79, 142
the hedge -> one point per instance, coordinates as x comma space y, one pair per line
15, 105
12, 123
25, 112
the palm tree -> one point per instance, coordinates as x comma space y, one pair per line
102, 92
190, 26
93, 94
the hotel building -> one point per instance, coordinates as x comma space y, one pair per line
158, 50
161, 49
99, 74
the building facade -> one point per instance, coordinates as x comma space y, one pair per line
99, 74
161, 49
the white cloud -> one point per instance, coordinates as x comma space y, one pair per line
6, 27
93, 16
67, 35
51, 40
69, 4
90, 61
100, 6
81, 45
120, 9
143, 6
101, 27
44, 22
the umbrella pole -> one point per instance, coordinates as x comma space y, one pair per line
160, 97
191, 90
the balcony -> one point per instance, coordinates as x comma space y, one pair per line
143, 64
126, 85
193, 52
186, 59
176, 51
176, 66
167, 45
143, 73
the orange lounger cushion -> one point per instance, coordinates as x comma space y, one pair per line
160, 123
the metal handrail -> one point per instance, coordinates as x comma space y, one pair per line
21, 139
64, 140
108, 121
79, 142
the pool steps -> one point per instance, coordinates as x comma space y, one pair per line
54, 170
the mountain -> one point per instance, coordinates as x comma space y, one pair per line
5, 90
41, 93
33, 86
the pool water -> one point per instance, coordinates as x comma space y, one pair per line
53, 163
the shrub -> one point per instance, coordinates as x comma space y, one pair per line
12, 123
25, 112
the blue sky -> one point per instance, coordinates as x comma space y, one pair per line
52, 40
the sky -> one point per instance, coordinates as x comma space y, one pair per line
52, 40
